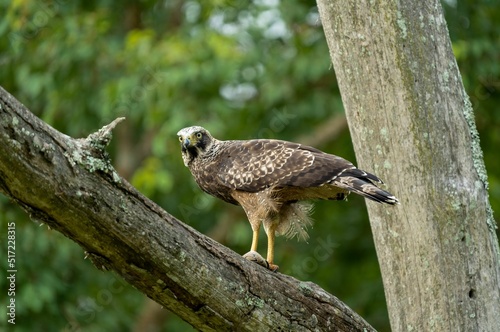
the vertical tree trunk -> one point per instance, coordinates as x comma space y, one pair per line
412, 123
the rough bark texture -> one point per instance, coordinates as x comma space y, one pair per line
70, 185
411, 123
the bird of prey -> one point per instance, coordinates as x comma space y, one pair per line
273, 180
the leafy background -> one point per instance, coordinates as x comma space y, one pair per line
241, 69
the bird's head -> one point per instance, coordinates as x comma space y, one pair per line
194, 142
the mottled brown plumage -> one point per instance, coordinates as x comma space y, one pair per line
271, 179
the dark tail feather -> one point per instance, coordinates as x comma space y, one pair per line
361, 183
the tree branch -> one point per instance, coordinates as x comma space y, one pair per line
70, 185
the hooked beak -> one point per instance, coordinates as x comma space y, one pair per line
186, 143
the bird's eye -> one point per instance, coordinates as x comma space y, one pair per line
199, 135
180, 138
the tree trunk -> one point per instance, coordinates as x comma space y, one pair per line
71, 186
412, 123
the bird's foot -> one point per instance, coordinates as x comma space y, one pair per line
255, 257
272, 267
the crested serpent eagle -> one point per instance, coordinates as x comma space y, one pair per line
272, 180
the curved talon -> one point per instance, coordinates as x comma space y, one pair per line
272, 267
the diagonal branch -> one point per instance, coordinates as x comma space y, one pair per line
70, 185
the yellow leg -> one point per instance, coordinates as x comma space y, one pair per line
270, 249
255, 240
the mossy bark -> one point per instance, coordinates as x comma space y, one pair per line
412, 124
70, 185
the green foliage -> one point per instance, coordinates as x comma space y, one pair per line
152, 178
240, 69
